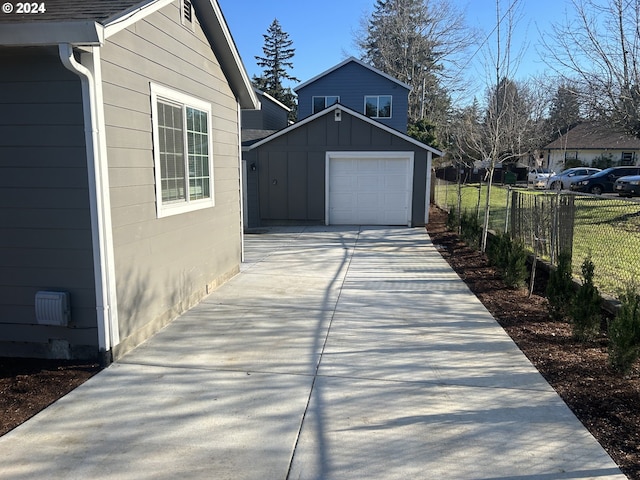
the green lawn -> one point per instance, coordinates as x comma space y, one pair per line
608, 229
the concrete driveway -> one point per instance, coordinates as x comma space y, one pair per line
337, 353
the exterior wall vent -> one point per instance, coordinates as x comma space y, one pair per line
52, 308
187, 11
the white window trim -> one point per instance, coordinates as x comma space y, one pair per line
378, 108
176, 208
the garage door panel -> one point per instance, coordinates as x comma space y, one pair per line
369, 190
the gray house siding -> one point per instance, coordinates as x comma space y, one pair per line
45, 230
291, 168
166, 265
352, 82
271, 116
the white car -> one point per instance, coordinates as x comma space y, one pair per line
538, 177
564, 179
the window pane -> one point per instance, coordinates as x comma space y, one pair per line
318, 104
171, 153
198, 140
332, 100
384, 109
371, 106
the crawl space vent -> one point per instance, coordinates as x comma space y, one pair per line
52, 308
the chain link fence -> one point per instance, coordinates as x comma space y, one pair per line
605, 229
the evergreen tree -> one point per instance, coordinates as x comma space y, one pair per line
564, 113
276, 63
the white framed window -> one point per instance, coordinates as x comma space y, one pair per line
378, 106
182, 152
320, 103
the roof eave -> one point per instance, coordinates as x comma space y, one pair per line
88, 33
214, 23
353, 113
359, 62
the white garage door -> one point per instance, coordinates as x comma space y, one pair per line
369, 188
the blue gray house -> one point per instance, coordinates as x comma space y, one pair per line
361, 88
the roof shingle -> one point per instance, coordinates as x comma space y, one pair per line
594, 136
69, 10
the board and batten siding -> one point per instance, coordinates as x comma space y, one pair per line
45, 224
166, 265
291, 168
352, 82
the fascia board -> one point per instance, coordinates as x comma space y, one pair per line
52, 33
130, 16
353, 113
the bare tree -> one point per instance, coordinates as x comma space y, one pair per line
599, 50
504, 131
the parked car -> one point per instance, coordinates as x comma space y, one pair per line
602, 182
628, 186
538, 177
564, 179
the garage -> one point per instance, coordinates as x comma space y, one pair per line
338, 167
369, 188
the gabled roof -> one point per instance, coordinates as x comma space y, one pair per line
359, 62
91, 22
353, 113
274, 100
594, 136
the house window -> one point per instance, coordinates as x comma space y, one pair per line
627, 158
182, 152
377, 106
320, 103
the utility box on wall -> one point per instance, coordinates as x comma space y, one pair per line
52, 308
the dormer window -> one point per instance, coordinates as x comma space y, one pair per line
377, 106
320, 103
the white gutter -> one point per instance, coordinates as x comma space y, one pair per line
99, 201
242, 177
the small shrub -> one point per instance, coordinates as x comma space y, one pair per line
586, 308
515, 272
624, 331
470, 229
560, 291
452, 219
498, 250
510, 258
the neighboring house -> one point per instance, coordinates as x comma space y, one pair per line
590, 141
361, 88
119, 171
271, 116
339, 166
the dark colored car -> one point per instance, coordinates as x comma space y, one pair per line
602, 182
628, 186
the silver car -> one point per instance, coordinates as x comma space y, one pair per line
627, 186
564, 179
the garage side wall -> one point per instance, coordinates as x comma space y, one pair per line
291, 168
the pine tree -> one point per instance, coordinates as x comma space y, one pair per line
276, 63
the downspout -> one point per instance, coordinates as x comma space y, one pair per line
106, 310
241, 172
